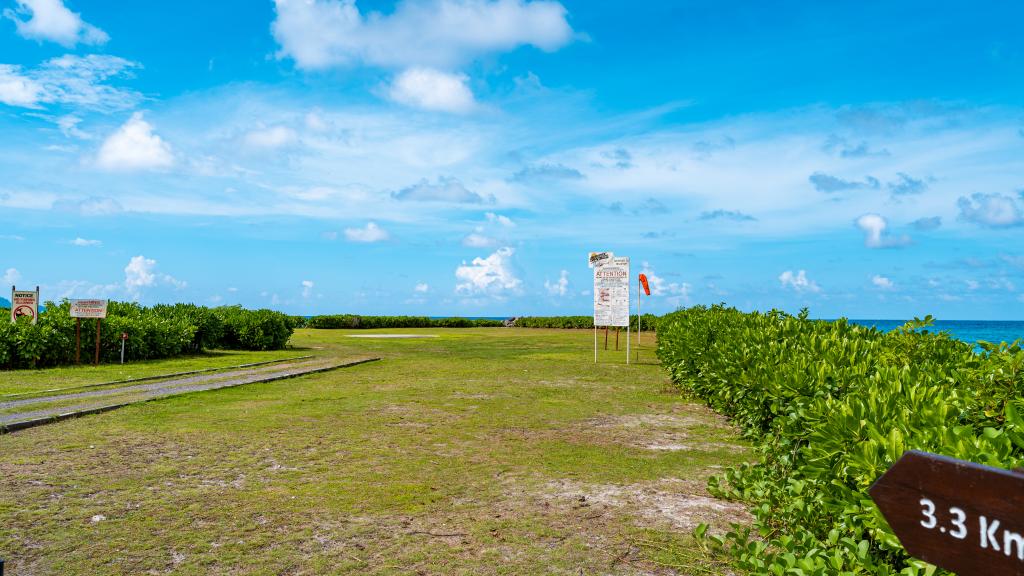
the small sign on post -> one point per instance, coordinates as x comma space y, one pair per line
124, 338
87, 309
24, 303
958, 515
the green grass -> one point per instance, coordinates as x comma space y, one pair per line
462, 454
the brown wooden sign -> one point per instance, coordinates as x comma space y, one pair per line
958, 515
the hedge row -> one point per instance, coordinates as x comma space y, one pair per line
831, 406
353, 321
162, 331
649, 322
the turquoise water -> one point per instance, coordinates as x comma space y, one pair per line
967, 330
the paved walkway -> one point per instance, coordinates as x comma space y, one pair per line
17, 414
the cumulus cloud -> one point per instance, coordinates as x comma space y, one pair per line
134, 147
831, 184
675, 293
498, 218
733, 215
140, 273
446, 189
931, 223
51, 20
798, 282
875, 235
91, 206
71, 81
547, 172
488, 276
319, 34
367, 234
422, 288
478, 240
431, 89
12, 276
83, 242
905, 185
273, 137
991, 210
882, 282
307, 289
559, 287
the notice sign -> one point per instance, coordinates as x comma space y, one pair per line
611, 292
24, 303
88, 308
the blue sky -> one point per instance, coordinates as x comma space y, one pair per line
445, 157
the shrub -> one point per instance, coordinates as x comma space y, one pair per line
830, 406
353, 322
162, 331
648, 321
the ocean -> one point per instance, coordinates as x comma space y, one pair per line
971, 331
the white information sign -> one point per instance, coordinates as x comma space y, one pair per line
24, 303
611, 292
88, 308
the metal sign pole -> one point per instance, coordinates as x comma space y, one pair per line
595, 343
639, 328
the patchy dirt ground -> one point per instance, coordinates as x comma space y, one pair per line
480, 452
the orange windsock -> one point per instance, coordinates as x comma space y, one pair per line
643, 282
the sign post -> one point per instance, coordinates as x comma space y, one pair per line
958, 515
124, 338
611, 294
88, 309
24, 303
641, 285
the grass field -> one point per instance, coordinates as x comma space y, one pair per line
483, 451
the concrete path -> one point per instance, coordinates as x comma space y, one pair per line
18, 414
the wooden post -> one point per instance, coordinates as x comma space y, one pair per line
616, 338
97, 342
78, 340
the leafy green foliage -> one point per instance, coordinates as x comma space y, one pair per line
831, 406
162, 331
354, 321
648, 321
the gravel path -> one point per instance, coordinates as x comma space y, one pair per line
130, 394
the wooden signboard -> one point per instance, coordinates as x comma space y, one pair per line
958, 515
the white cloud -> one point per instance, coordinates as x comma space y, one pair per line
875, 236
476, 240
83, 242
369, 233
319, 34
675, 293
16, 89
135, 147
422, 288
972, 284
307, 288
560, 287
51, 20
12, 276
882, 282
492, 275
992, 210
273, 137
503, 220
798, 282
141, 273
432, 90
69, 80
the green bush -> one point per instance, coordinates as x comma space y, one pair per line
162, 331
649, 322
830, 407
